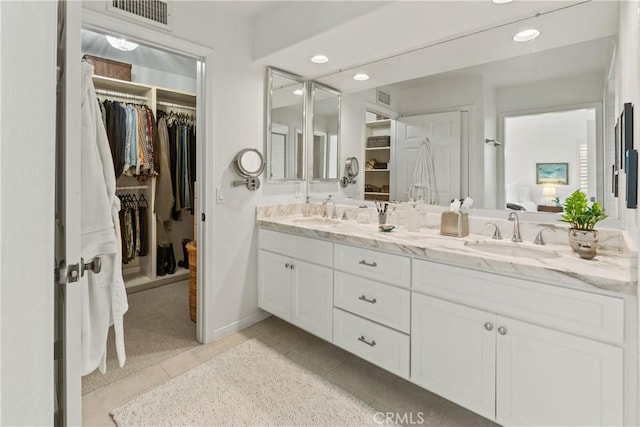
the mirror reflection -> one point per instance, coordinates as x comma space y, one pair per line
489, 125
285, 106
324, 146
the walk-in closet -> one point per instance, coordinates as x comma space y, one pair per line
147, 98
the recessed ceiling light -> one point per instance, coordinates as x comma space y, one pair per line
361, 77
320, 59
121, 44
501, 1
298, 92
527, 35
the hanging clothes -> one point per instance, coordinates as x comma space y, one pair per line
134, 227
182, 149
104, 300
164, 184
132, 135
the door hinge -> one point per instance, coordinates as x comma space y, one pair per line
67, 274
204, 217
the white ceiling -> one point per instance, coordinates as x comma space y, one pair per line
435, 37
249, 9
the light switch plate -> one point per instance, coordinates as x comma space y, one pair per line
219, 196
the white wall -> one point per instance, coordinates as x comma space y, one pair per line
27, 131
571, 90
627, 91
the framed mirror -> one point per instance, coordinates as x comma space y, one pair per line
324, 141
285, 119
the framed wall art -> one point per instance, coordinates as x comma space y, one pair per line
552, 173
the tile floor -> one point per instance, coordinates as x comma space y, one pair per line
380, 389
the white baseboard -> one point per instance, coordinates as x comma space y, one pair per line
239, 325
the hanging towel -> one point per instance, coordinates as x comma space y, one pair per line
423, 185
104, 300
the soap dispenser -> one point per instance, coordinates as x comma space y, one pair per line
413, 217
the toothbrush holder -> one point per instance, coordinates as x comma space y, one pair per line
382, 218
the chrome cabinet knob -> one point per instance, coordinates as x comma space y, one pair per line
287, 265
488, 326
291, 266
502, 330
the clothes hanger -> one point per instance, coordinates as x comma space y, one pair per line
142, 200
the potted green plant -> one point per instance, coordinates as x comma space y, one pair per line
583, 217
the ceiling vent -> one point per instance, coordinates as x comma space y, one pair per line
383, 97
153, 12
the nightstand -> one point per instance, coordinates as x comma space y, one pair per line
547, 208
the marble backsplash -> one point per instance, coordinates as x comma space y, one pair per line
609, 239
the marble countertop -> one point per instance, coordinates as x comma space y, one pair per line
558, 264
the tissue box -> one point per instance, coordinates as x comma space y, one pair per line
454, 224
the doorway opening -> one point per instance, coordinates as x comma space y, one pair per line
547, 156
158, 190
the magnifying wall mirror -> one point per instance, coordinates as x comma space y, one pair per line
285, 118
249, 164
351, 169
325, 146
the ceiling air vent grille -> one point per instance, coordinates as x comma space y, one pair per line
154, 12
383, 97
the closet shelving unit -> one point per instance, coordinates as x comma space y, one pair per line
379, 178
141, 272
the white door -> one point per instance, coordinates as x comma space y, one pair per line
68, 362
312, 308
546, 377
274, 284
453, 352
444, 132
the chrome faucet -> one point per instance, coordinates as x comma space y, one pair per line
538, 240
334, 213
516, 227
496, 231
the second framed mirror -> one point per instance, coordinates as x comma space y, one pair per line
285, 124
324, 138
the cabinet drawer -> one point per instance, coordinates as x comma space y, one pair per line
585, 313
382, 303
379, 266
378, 344
315, 251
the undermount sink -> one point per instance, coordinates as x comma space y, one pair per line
314, 220
510, 249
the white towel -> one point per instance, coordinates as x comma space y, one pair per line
423, 185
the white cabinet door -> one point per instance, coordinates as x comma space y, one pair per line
312, 307
274, 284
547, 377
453, 352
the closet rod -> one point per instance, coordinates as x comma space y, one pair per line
169, 104
132, 187
121, 95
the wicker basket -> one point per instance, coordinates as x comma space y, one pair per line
193, 282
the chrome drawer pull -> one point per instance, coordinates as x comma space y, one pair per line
364, 340
364, 298
502, 330
373, 264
